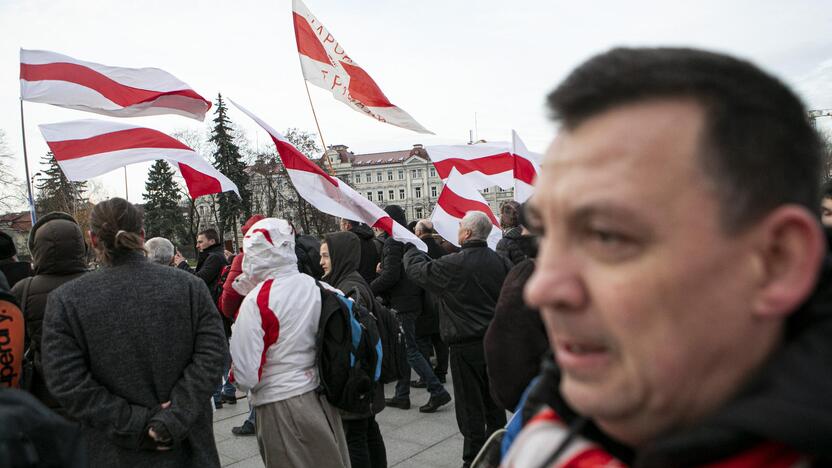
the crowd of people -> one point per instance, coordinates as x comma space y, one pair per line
660, 301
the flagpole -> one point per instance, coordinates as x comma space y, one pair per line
126, 193
32, 212
320, 134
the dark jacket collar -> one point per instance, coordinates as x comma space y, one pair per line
474, 244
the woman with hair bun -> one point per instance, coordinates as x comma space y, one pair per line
133, 352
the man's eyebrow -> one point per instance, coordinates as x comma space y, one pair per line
612, 210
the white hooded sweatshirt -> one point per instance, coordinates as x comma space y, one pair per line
273, 340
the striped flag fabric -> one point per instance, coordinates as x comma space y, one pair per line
457, 198
57, 79
484, 165
329, 194
90, 148
326, 64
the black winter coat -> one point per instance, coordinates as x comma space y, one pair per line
15, 271
517, 247
369, 253
58, 252
208, 267
467, 282
518, 329
393, 284
428, 321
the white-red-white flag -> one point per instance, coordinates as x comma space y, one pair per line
88, 148
329, 194
485, 165
526, 168
57, 79
458, 197
325, 64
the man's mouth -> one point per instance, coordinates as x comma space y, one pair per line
581, 357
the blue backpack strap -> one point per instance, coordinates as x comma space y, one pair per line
515, 424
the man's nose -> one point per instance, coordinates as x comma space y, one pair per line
557, 281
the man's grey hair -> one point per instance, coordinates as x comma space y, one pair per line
425, 226
159, 250
478, 223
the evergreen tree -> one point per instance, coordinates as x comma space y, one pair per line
162, 215
227, 159
56, 192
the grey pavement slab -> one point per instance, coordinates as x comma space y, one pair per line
412, 439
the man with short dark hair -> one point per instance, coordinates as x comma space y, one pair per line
679, 266
468, 284
427, 324
209, 266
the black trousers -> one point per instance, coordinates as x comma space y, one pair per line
365, 443
425, 343
476, 413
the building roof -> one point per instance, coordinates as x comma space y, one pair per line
21, 221
377, 159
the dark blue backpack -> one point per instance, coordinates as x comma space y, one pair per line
349, 353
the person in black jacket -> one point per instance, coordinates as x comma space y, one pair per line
13, 269
209, 266
59, 254
369, 253
469, 284
427, 325
340, 254
405, 296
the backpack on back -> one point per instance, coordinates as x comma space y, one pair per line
394, 365
218, 286
349, 352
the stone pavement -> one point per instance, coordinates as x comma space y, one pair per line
413, 439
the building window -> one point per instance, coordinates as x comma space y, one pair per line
419, 173
389, 175
369, 177
370, 196
401, 174
433, 191
380, 196
378, 176
419, 213
418, 192
433, 172
413, 173
358, 178
390, 195
401, 194
485, 190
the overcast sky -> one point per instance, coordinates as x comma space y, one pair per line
441, 61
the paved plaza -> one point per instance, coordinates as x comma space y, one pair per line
413, 439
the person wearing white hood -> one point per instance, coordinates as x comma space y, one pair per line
273, 353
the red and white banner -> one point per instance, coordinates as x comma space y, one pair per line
458, 197
325, 64
526, 168
485, 165
88, 148
329, 194
56, 79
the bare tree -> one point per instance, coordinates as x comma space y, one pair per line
13, 194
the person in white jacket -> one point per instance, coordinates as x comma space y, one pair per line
273, 353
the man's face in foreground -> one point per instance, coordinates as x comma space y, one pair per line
644, 297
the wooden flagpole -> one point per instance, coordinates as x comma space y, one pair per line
126, 193
320, 134
33, 213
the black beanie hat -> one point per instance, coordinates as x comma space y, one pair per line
397, 213
7, 248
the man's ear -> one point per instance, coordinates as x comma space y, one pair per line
93, 239
791, 246
141, 234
